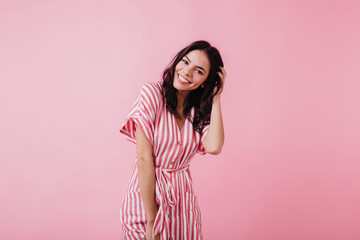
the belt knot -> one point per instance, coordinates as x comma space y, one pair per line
165, 194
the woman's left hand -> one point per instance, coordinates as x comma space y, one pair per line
222, 76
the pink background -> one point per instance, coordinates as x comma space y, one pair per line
70, 71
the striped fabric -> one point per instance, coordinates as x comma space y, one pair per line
179, 214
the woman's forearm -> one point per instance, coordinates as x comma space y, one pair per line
214, 139
146, 174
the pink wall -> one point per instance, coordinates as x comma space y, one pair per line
70, 71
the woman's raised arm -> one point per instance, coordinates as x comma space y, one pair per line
214, 139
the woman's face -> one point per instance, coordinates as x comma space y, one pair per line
191, 71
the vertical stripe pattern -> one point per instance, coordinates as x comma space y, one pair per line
179, 216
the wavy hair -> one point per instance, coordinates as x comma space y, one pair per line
201, 98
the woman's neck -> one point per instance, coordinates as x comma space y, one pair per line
181, 100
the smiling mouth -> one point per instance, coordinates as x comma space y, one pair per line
182, 79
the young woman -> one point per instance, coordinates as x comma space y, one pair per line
170, 122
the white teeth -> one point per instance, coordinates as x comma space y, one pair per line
183, 79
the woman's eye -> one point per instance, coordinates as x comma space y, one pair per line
200, 72
186, 62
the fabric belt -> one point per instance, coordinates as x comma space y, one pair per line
165, 195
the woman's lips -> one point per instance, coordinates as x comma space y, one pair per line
182, 80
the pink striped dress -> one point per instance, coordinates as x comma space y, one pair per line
179, 215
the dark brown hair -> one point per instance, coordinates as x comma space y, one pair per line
200, 98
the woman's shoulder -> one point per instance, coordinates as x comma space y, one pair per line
152, 87
152, 91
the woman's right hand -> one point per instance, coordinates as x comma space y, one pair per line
149, 227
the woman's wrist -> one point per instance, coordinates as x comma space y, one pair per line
150, 222
216, 98
152, 215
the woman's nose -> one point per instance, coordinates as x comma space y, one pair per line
187, 70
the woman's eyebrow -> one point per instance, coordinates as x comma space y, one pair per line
196, 66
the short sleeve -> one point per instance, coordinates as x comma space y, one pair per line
143, 113
201, 149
